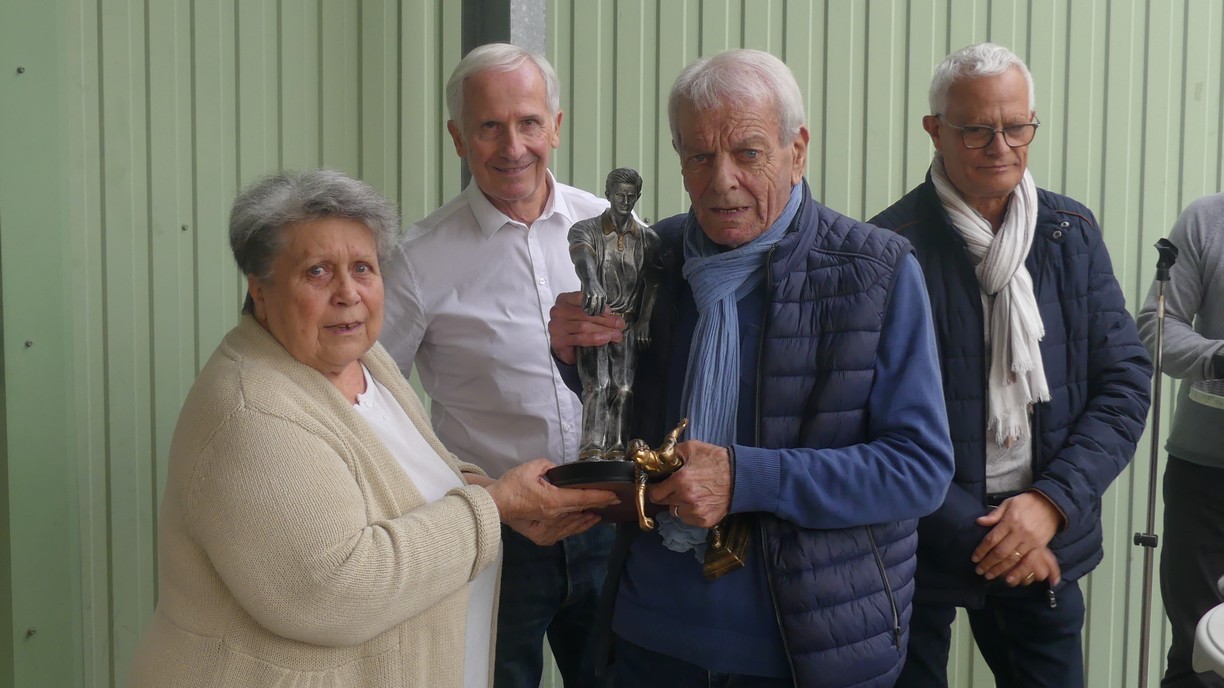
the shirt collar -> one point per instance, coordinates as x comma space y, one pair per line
609, 227
491, 219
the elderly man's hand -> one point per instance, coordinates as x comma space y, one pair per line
551, 531
1021, 525
699, 494
1036, 566
523, 494
570, 327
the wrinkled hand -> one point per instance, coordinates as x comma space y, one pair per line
523, 494
551, 531
570, 327
700, 492
1020, 530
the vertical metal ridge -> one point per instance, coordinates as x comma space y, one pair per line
104, 339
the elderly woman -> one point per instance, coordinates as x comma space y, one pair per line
314, 531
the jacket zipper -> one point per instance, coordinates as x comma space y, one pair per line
773, 598
761, 341
1051, 599
769, 580
892, 601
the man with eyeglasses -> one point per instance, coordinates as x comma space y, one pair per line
1045, 379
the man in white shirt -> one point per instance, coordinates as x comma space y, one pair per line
468, 292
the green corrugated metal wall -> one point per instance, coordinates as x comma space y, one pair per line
131, 123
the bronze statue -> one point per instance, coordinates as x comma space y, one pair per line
616, 258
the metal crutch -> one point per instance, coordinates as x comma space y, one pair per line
1147, 540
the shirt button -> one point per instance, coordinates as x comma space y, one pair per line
543, 281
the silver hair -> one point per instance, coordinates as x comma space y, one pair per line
499, 57
262, 211
978, 60
737, 78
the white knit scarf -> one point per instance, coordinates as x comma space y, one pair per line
1017, 376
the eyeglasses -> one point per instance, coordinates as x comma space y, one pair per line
977, 136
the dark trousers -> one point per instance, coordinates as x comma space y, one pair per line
1191, 561
1026, 643
637, 667
549, 590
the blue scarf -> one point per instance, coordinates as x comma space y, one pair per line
719, 279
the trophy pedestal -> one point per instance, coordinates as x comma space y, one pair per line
613, 476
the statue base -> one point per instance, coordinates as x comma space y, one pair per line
613, 476
727, 547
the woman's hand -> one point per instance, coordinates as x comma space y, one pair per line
524, 495
554, 530
477, 479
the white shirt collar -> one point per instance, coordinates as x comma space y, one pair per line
491, 219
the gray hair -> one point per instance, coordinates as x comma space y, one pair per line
499, 57
623, 175
736, 78
265, 208
978, 60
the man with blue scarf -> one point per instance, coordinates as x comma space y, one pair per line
798, 342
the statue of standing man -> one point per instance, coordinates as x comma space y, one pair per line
616, 258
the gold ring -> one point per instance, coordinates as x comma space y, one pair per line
1030, 576
1017, 555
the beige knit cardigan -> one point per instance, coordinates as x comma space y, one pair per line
292, 548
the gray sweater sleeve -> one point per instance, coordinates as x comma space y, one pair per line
1194, 296
1194, 327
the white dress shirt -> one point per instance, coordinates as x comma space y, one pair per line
468, 292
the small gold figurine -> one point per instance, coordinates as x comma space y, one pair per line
654, 464
662, 461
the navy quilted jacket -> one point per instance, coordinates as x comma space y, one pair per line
1098, 372
843, 596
